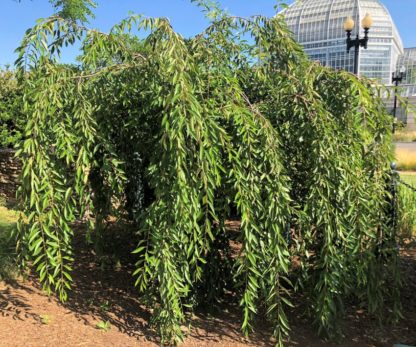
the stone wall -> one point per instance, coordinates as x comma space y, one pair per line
10, 168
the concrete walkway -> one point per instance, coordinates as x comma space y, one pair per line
411, 146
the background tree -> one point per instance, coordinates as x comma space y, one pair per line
11, 111
77, 10
74, 9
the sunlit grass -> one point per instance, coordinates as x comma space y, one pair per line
405, 136
409, 177
406, 159
407, 206
8, 219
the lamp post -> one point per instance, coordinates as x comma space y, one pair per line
358, 42
396, 79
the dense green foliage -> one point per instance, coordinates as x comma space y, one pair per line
76, 10
11, 112
186, 133
407, 207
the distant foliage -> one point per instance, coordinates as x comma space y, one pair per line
185, 133
76, 10
11, 107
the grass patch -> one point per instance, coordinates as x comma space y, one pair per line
409, 177
8, 219
407, 207
405, 136
406, 159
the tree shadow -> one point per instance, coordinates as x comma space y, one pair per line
15, 305
224, 323
107, 295
359, 328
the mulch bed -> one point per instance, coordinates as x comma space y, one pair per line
30, 318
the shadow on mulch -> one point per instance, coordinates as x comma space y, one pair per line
361, 329
15, 305
108, 294
225, 322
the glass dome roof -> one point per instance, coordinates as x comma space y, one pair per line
408, 60
318, 26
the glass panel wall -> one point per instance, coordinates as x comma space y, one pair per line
318, 26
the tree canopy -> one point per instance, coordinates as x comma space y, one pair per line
184, 134
74, 9
11, 112
77, 10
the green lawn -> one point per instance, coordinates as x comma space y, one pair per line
409, 178
8, 219
407, 207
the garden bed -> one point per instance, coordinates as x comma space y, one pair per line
29, 318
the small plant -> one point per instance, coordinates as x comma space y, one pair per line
103, 325
105, 306
46, 319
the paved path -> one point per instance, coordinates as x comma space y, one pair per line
406, 145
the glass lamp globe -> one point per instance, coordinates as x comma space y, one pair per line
367, 21
349, 24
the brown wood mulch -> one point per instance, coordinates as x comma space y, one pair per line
30, 318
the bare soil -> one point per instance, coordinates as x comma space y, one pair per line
28, 317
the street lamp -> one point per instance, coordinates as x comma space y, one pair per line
358, 42
396, 79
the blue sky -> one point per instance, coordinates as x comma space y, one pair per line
186, 18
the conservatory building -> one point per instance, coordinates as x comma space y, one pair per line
408, 61
318, 25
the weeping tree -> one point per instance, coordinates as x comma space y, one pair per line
182, 134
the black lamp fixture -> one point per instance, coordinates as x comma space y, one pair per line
358, 42
396, 79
